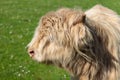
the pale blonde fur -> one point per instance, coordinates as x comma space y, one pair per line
87, 45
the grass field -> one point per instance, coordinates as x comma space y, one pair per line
18, 19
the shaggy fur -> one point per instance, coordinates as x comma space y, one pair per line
87, 45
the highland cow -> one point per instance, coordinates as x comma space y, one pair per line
86, 44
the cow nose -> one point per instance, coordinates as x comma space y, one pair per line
31, 53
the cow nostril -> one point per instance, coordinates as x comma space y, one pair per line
31, 52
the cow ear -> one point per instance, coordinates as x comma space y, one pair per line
76, 19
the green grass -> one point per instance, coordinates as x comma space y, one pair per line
18, 19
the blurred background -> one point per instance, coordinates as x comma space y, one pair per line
18, 20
